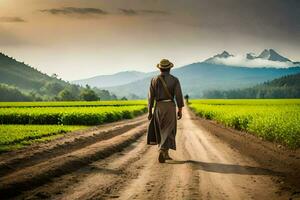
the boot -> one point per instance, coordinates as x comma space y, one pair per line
167, 156
161, 156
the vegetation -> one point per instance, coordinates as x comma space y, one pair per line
27, 122
72, 103
69, 115
21, 82
16, 136
284, 87
10, 93
88, 94
274, 120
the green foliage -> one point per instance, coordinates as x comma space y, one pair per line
68, 115
284, 87
15, 136
61, 115
52, 88
104, 94
34, 85
87, 94
274, 120
66, 95
9, 93
72, 103
124, 99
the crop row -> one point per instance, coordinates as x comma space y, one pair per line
72, 103
248, 102
278, 122
15, 136
69, 115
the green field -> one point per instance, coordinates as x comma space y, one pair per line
274, 120
23, 123
16, 136
72, 103
69, 115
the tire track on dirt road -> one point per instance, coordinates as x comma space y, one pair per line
15, 160
32, 176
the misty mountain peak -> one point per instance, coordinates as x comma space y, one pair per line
250, 56
271, 54
224, 54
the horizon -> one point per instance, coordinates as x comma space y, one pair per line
226, 63
79, 39
175, 67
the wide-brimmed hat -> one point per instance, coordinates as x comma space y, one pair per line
164, 64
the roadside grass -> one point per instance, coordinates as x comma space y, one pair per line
17, 136
275, 120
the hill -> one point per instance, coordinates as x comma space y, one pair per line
120, 78
284, 87
23, 76
21, 82
199, 77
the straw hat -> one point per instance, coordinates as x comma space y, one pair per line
164, 64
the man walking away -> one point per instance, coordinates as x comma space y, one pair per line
164, 88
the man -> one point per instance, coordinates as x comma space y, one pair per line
164, 88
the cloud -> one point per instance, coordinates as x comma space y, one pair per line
132, 12
242, 61
11, 19
74, 10
128, 11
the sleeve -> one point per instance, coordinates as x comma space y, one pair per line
178, 95
151, 97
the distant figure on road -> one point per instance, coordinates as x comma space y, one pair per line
187, 98
163, 125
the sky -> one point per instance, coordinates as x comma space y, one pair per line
83, 38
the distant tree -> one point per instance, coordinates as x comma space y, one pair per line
54, 75
66, 95
9, 93
74, 90
87, 94
114, 97
124, 99
52, 88
284, 87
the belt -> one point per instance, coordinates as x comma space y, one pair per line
167, 100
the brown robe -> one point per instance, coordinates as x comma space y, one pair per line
165, 111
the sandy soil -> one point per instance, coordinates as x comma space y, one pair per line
114, 162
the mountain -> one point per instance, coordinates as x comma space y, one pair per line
199, 77
120, 78
124, 80
223, 55
271, 54
283, 87
267, 58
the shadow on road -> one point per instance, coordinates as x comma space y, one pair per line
226, 168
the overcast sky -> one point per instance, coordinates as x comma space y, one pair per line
83, 38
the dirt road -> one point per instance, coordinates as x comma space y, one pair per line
113, 162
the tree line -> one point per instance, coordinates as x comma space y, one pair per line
54, 91
284, 87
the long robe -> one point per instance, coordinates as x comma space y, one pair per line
164, 115
166, 122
